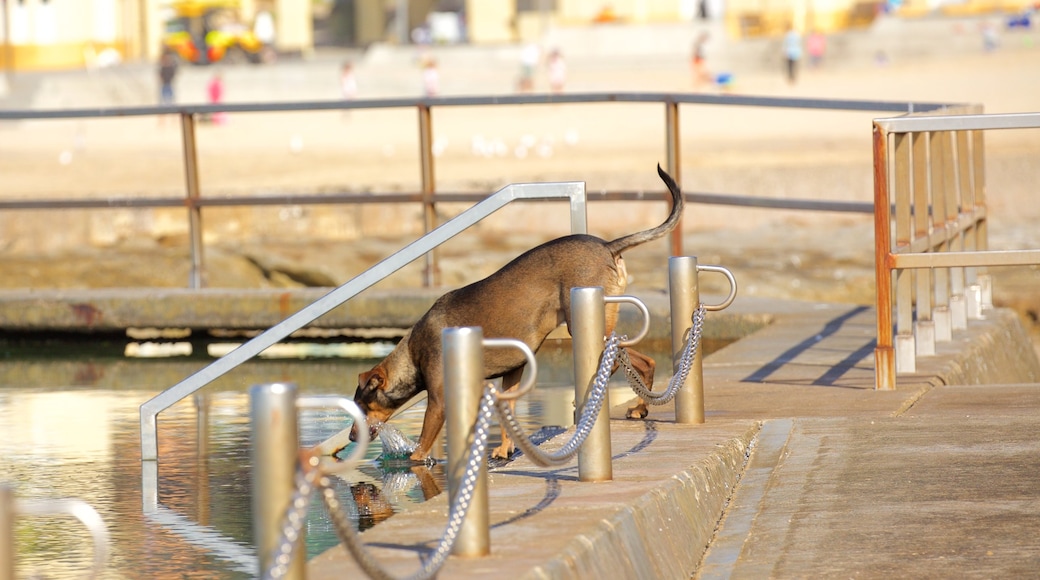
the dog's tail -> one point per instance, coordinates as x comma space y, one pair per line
621, 244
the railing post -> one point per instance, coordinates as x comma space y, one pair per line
274, 453
941, 311
906, 354
463, 356
588, 327
978, 162
924, 326
431, 273
684, 297
673, 161
884, 354
191, 175
7, 550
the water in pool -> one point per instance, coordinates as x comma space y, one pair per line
69, 428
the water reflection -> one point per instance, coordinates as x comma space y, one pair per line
69, 428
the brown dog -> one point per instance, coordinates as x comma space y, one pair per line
525, 300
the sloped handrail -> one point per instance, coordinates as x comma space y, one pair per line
574, 191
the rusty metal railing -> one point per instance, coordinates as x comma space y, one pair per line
931, 169
195, 200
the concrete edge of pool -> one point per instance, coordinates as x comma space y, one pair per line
673, 484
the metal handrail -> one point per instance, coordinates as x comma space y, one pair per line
932, 169
194, 201
574, 191
470, 101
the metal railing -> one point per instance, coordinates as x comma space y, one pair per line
194, 199
572, 191
931, 168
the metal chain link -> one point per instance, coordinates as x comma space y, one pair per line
456, 512
589, 413
292, 523
693, 339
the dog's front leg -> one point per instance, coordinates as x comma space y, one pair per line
509, 381
644, 367
433, 421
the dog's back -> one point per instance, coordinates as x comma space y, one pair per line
530, 296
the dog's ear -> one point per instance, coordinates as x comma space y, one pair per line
373, 379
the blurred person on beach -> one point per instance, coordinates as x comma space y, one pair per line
557, 70
215, 96
816, 46
990, 41
263, 29
529, 57
701, 76
348, 86
348, 81
167, 74
792, 53
431, 79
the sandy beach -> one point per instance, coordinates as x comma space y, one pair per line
802, 154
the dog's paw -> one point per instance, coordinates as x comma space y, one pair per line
503, 452
640, 411
419, 456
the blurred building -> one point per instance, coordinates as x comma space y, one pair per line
57, 34
50, 34
361, 22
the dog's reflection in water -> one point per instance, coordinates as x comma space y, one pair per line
372, 507
375, 505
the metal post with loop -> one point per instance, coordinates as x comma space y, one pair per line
685, 299
588, 327
87, 515
463, 379
281, 491
275, 451
588, 330
463, 356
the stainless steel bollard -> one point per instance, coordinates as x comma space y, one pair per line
10, 507
274, 453
7, 551
463, 356
588, 327
684, 297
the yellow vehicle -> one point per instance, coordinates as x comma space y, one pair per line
205, 32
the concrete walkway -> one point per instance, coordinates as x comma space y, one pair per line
801, 470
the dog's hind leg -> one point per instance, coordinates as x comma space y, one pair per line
644, 367
509, 382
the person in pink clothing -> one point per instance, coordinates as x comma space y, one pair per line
816, 46
557, 71
431, 79
215, 92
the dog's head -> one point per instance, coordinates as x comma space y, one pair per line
378, 397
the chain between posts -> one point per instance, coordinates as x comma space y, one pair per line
309, 477
693, 339
585, 423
